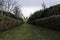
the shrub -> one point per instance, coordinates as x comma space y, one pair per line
53, 10
7, 23
49, 22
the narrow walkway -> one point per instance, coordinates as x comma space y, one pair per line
29, 32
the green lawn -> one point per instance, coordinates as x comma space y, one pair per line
29, 32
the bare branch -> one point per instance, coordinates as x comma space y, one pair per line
44, 6
10, 4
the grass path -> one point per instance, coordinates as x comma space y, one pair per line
29, 32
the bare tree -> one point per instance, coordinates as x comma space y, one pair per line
1, 6
44, 5
7, 5
10, 4
16, 11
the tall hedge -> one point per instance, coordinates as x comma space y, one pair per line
8, 22
53, 10
52, 22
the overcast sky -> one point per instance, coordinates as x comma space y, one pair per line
30, 6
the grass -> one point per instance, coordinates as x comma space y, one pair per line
29, 32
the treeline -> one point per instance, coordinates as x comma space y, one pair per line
48, 17
9, 14
53, 10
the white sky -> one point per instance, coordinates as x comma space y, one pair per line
30, 6
27, 11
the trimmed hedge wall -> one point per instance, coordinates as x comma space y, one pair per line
7, 22
49, 22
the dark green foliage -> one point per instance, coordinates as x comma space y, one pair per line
50, 17
52, 22
53, 10
36, 15
11, 15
